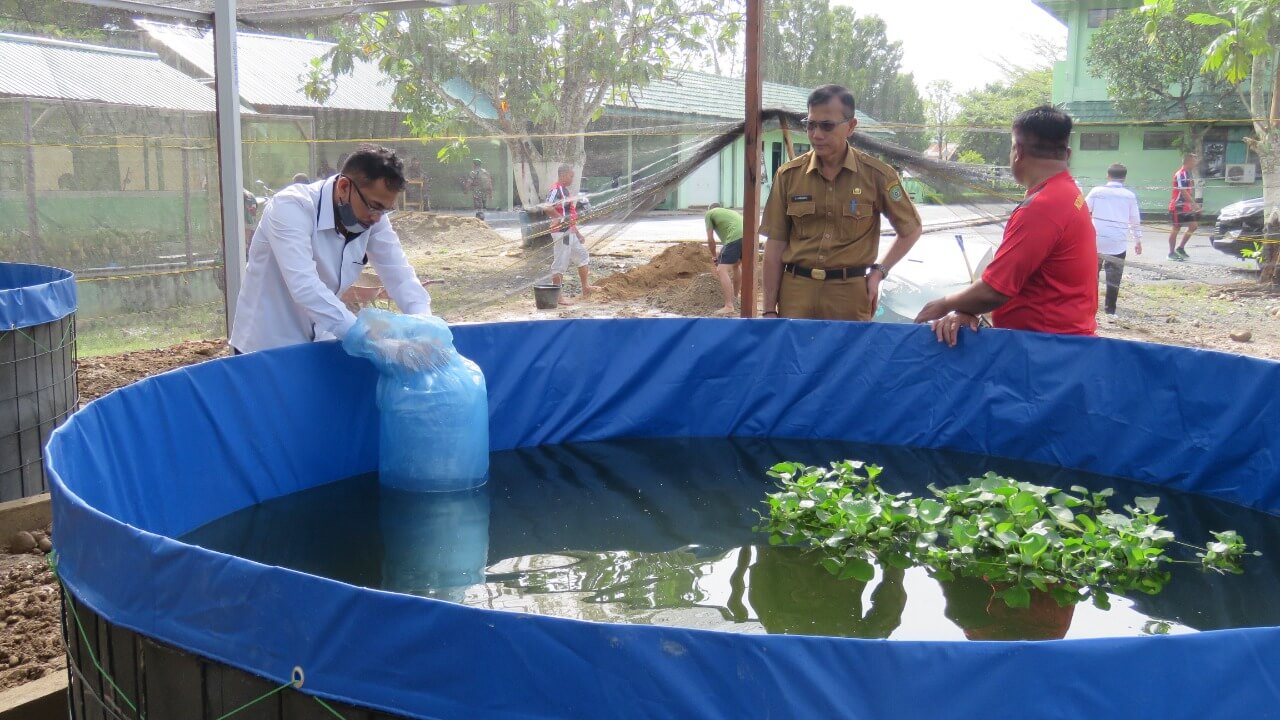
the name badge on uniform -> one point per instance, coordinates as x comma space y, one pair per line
801, 198
853, 207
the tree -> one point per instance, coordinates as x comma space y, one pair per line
812, 43
1246, 47
549, 67
940, 110
1161, 79
985, 115
70, 21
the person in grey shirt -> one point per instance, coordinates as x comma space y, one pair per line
1116, 219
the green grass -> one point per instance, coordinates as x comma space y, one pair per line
149, 330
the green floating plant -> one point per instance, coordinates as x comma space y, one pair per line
1018, 536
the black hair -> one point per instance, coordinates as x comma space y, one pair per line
713, 206
1044, 132
826, 93
1118, 171
371, 163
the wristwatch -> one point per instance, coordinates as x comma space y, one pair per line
884, 271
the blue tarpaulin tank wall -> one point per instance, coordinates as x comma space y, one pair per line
37, 370
148, 463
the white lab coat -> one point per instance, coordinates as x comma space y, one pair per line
299, 265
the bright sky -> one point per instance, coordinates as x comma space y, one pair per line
957, 40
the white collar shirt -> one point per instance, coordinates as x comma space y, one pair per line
299, 266
1115, 217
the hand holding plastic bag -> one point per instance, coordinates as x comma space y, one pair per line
399, 344
433, 403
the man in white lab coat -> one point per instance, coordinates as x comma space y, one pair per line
311, 244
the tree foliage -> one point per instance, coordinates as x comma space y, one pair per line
70, 21
1161, 79
940, 112
985, 114
549, 66
1244, 48
813, 43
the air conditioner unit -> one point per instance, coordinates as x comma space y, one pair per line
1242, 173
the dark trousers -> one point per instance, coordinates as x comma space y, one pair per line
1114, 267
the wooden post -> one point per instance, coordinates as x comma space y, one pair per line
751, 173
786, 139
186, 190
29, 180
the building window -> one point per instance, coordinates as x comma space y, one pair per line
1099, 141
1101, 15
1161, 140
802, 148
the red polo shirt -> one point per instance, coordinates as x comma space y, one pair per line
1048, 263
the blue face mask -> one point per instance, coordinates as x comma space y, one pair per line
347, 215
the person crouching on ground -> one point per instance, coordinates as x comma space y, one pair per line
1045, 275
569, 246
727, 225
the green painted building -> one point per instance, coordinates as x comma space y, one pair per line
1151, 148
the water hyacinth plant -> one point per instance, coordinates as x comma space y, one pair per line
1017, 536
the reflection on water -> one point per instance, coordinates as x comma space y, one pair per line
659, 531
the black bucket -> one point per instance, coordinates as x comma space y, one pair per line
546, 297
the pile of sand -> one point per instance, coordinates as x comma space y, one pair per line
680, 280
680, 262
420, 230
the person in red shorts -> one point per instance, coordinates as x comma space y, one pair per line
1183, 210
1044, 275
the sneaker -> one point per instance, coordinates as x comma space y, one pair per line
1175, 257
1182, 254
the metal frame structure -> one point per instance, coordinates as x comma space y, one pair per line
224, 17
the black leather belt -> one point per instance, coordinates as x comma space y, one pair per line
856, 271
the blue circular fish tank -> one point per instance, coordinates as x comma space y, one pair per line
158, 623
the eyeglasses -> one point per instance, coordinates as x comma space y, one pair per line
374, 209
823, 125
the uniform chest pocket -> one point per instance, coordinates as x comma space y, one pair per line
859, 210
803, 215
801, 209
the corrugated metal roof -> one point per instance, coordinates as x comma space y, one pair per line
273, 68
697, 93
59, 70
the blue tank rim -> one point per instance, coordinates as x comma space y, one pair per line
33, 295
1178, 677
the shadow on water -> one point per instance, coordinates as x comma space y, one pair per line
632, 529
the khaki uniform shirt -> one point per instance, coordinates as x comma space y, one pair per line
833, 225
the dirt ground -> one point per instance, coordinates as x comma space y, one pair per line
478, 275
100, 375
31, 634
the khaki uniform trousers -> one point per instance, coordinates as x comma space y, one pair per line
802, 297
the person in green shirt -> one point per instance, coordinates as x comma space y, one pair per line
727, 225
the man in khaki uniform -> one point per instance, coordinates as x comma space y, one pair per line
823, 258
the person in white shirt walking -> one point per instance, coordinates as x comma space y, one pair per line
1115, 219
312, 243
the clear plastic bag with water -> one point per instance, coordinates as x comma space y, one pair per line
432, 401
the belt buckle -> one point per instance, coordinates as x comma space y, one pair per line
818, 274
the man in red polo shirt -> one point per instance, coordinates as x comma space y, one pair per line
1045, 274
